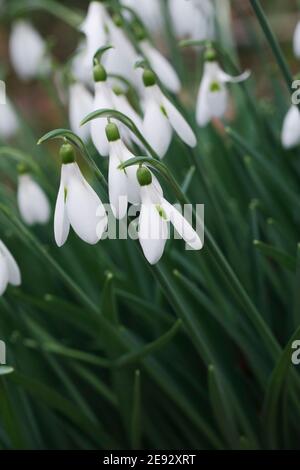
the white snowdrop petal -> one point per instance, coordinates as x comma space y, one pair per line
102, 100
61, 221
27, 50
217, 101
133, 187
290, 135
3, 274
161, 67
94, 27
117, 185
179, 124
80, 105
224, 77
8, 120
13, 271
32, 201
157, 129
153, 232
182, 226
296, 40
83, 208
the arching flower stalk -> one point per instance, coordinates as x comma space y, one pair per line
33, 203
28, 51
9, 269
212, 98
161, 118
77, 204
156, 215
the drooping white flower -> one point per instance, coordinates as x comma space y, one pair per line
290, 135
296, 40
8, 120
80, 105
161, 66
95, 31
149, 12
155, 216
77, 204
122, 184
33, 203
9, 270
212, 98
192, 18
161, 118
27, 51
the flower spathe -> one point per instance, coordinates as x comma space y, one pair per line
9, 269
80, 105
27, 51
33, 203
161, 118
212, 100
290, 135
155, 216
78, 206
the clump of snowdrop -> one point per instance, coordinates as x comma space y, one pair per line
192, 18
80, 105
77, 205
155, 217
290, 135
8, 121
9, 269
122, 183
28, 51
212, 101
161, 118
33, 203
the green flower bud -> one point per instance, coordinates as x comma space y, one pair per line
118, 20
67, 154
100, 74
149, 78
139, 32
112, 132
144, 176
22, 169
210, 55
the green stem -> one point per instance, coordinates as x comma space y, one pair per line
273, 43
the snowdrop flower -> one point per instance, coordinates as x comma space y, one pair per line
95, 31
161, 118
296, 40
149, 12
8, 121
80, 105
192, 18
27, 51
212, 98
32, 201
77, 204
122, 184
290, 136
155, 217
161, 66
9, 270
